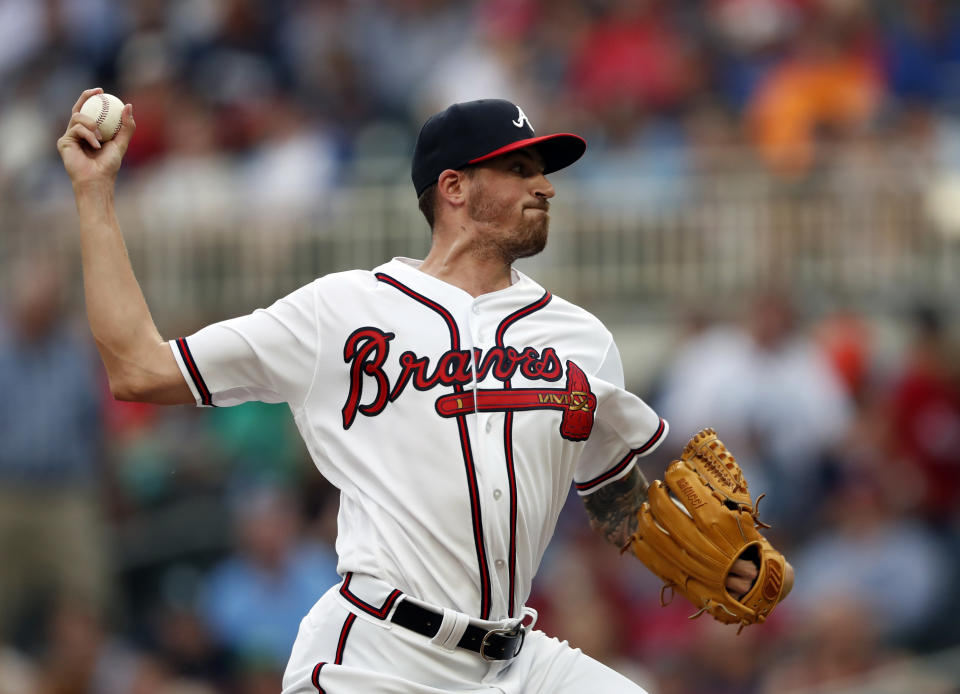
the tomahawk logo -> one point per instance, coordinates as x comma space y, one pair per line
521, 119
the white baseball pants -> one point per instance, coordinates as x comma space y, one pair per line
348, 645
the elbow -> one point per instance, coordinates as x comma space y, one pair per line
124, 391
129, 387
149, 387
128, 375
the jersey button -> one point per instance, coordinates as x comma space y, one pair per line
500, 563
489, 425
497, 493
476, 308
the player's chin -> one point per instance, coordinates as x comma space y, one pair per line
534, 240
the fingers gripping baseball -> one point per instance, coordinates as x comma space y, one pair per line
87, 155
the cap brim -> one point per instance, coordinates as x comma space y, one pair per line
558, 150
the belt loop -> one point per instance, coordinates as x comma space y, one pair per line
532, 614
452, 627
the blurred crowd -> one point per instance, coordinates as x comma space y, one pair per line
173, 551
290, 98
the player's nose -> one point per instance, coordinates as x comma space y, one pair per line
543, 188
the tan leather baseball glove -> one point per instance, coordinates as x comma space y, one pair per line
697, 524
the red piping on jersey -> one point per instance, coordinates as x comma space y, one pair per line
315, 677
621, 466
508, 443
191, 365
338, 659
344, 633
485, 589
378, 612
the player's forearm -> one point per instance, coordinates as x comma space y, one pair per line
119, 318
613, 508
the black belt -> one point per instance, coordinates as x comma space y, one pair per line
496, 644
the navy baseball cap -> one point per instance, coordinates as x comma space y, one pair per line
474, 131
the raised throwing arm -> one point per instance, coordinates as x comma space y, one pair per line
139, 363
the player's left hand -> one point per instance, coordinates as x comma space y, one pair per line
741, 578
708, 546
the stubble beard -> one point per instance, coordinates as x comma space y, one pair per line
512, 239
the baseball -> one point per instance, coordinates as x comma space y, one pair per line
105, 110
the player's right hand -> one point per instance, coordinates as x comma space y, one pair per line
86, 159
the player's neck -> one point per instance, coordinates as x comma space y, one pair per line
465, 266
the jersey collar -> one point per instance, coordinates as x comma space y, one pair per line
407, 270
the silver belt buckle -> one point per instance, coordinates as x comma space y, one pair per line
502, 632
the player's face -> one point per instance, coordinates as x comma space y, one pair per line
509, 203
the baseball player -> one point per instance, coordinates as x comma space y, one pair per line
453, 401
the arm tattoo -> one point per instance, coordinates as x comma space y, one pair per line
613, 509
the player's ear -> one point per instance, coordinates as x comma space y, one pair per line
452, 186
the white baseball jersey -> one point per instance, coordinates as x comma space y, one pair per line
453, 426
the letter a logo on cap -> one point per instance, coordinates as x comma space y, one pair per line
521, 118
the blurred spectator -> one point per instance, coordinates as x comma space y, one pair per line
25, 128
551, 41
835, 643
316, 39
748, 36
253, 677
24, 32
398, 42
773, 396
293, 166
844, 336
195, 180
874, 559
497, 68
719, 662
87, 30
186, 648
651, 153
632, 58
584, 596
253, 602
147, 71
252, 433
237, 54
828, 88
17, 674
82, 657
925, 405
921, 42
51, 533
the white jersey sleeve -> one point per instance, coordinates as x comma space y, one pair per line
625, 428
269, 355
611, 369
